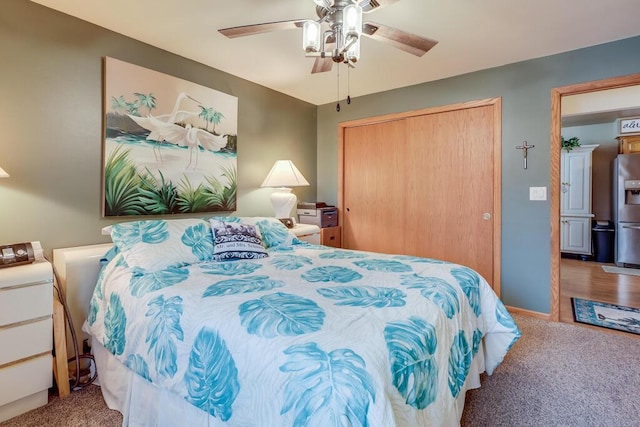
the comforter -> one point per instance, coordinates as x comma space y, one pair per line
309, 336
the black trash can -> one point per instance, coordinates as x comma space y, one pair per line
603, 240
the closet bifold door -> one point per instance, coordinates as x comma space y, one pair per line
374, 187
423, 185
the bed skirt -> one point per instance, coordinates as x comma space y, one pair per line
143, 404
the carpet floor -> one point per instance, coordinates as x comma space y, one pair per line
556, 375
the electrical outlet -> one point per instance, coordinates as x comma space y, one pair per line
537, 193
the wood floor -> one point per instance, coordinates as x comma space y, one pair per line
586, 279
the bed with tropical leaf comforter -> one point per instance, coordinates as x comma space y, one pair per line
306, 336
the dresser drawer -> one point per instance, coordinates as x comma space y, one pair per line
25, 303
19, 342
25, 378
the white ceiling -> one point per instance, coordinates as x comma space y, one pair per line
472, 35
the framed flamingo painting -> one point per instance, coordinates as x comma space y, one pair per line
170, 145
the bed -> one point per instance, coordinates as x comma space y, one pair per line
235, 322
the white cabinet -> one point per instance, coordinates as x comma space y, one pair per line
576, 235
307, 232
575, 200
26, 307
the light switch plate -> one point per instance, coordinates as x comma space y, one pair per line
537, 193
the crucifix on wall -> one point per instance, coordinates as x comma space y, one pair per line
525, 149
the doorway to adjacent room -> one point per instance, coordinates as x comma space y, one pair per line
596, 284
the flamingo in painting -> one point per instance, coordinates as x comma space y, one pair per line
190, 137
155, 124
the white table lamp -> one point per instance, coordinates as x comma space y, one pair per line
282, 176
3, 174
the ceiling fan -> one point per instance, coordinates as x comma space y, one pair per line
339, 41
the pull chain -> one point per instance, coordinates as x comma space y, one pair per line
348, 85
338, 94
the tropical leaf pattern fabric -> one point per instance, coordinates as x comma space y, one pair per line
163, 330
365, 296
281, 314
308, 336
327, 389
230, 268
436, 290
459, 363
383, 265
212, 377
198, 238
149, 282
154, 245
331, 273
414, 370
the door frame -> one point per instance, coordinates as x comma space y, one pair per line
496, 103
556, 130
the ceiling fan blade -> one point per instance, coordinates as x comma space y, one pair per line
249, 30
369, 5
408, 42
322, 65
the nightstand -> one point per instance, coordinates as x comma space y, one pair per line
307, 232
26, 324
330, 236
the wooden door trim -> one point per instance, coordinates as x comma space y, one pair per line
556, 130
496, 103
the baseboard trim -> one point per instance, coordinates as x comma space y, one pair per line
530, 313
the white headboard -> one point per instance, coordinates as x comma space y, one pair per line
78, 270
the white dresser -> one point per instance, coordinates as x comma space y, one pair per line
26, 337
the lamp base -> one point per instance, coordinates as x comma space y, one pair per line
283, 201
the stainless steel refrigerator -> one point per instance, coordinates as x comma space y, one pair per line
626, 212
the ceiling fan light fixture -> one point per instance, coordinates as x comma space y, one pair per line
323, 3
352, 21
353, 53
311, 36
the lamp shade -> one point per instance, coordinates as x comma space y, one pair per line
3, 174
284, 174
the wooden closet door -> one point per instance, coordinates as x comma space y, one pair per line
372, 216
449, 186
425, 185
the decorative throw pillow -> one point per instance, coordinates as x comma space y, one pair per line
155, 245
232, 240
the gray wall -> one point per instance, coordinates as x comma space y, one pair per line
51, 118
525, 89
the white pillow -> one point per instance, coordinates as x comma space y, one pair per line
154, 245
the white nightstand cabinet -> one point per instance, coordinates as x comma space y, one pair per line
26, 338
307, 232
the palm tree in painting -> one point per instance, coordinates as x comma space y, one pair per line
133, 108
147, 101
119, 105
210, 116
216, 118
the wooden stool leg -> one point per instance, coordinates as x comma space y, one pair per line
60, 366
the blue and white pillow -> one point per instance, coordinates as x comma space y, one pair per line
154, 245
274, 233
234, 240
